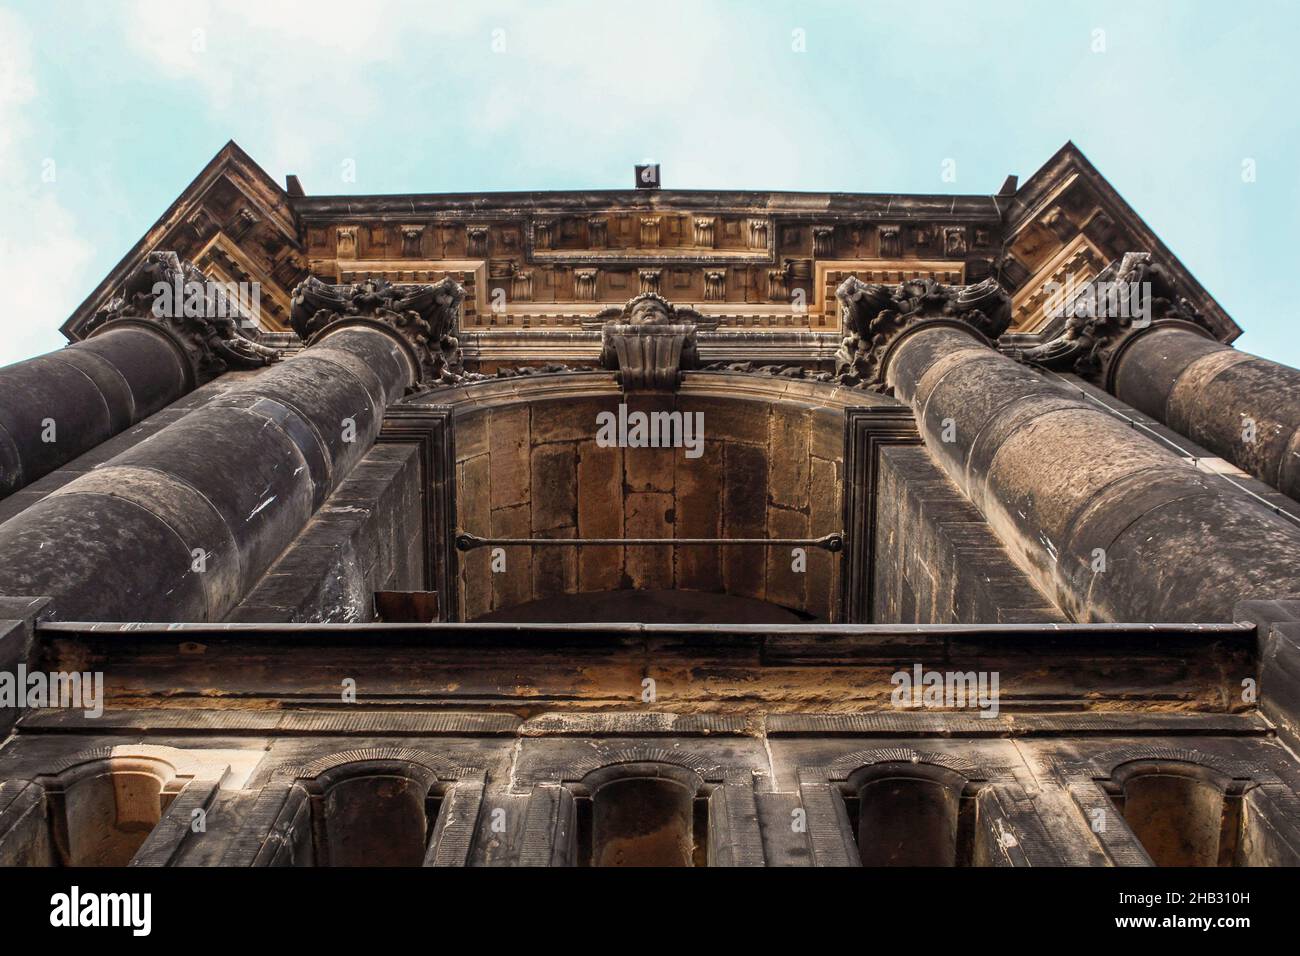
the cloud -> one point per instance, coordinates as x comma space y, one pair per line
43, 256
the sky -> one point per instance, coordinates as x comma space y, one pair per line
108, 108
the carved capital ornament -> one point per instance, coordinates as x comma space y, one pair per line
876, 318
197, 315
422, 316
1103, 316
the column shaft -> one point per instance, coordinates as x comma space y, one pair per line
1243, 408
60, 405
1111, 525
179, 527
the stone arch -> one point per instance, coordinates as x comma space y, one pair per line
103, 803
771, 467
908, 807
851, 763
1183, 806
375, 806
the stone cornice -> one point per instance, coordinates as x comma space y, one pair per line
876, 318
174, 298
495, 205
423, 317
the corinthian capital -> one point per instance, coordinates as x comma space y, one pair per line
423, 316
200, 316
876, 317
1126, 298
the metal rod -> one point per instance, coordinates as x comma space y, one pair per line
832, 542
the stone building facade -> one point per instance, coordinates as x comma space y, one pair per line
650, 527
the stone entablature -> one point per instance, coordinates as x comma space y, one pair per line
752, 259
550, 261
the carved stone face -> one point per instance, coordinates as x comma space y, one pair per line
649, 312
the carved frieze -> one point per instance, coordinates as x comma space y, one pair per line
649, 280
875, 317
715, 285
522, 287
346, 242
412, 239
174, 297
954, 242
543, 233
649, 232
758, 232
597, 232
424, 316
890, 245
704, 231
476, 241
584, 285
823, 241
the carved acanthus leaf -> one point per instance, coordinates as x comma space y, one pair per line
876, 316
424, 315
1125, 298
193, 310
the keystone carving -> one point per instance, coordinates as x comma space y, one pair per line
424, 316
649, 342
198, 314
1125, 299
876, 317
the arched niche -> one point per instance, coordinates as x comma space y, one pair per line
646, 814
529, 464
102, 810
1183, 813
371, 809
912, 814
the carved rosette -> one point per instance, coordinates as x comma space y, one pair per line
173, 296
877, 317
423, 316
1128, 297
649, 342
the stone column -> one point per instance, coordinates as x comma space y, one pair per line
143, 354
179, 527
1112, 526
1168, 365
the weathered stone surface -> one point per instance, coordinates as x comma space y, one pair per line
600, 515
508, 439
1244, 408
1058, 478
